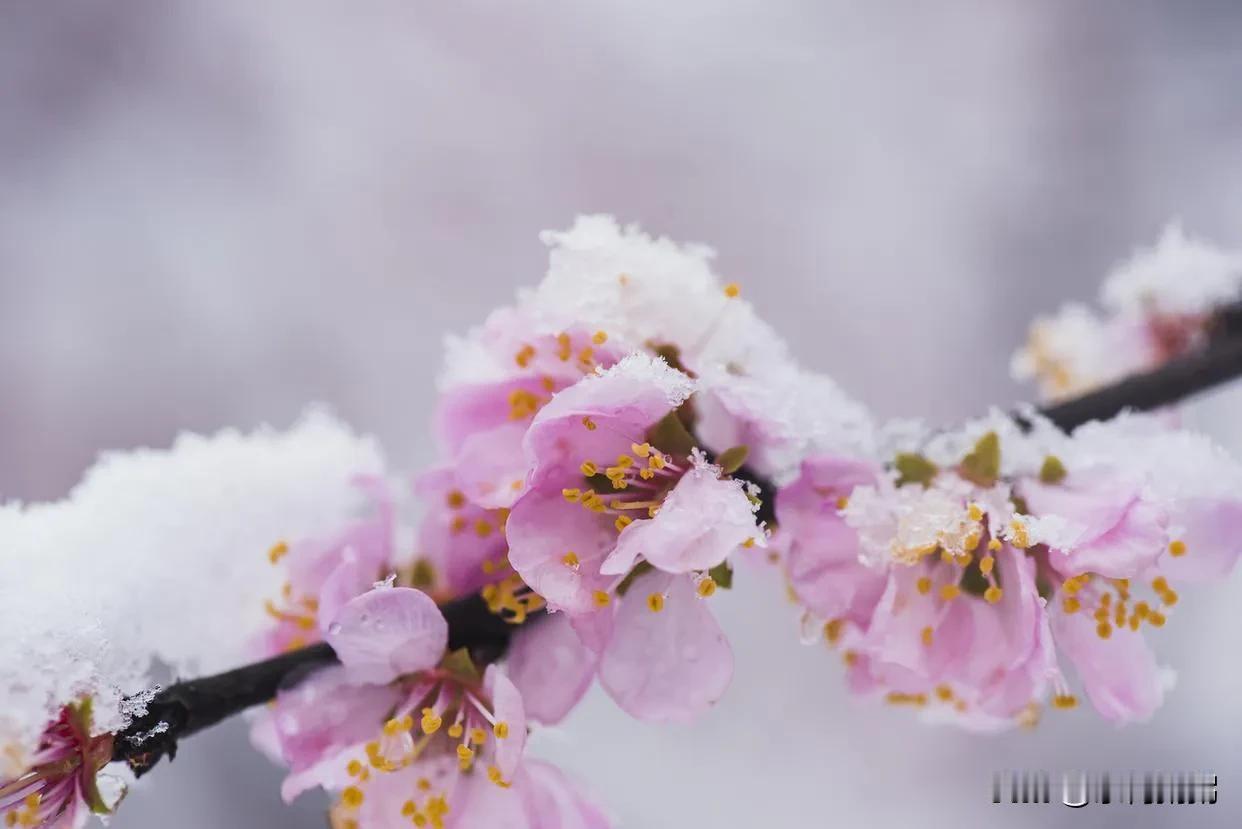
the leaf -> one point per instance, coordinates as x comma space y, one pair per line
722, 574
670, 435
732, 459
913, 468
459, 664
982, 465
1053, 471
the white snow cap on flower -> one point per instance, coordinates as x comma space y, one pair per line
642, 289
643, 292
784, 414
1179, 275
1075, 349
619, 385
1171, 463
159, 554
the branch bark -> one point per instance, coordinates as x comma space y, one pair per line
188, 707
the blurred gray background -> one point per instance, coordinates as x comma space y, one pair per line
213, 213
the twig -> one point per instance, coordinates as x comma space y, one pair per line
1176, 380
188, 707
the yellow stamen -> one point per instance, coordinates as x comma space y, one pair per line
992, 595
832, 630
600, 598
707, 586
732, 290
1177, 548
924, 585
278, 551
949, 592
655, 602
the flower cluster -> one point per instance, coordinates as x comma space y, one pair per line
140, 563
1158, 305
611, 446
960, 579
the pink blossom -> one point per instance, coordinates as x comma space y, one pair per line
587, 522
407, 734
325, 572
481, 421
59, 789
822, 554
998, 566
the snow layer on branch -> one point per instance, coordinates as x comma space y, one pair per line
159, 554
1178, 275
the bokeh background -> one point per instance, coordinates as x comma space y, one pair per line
215, 213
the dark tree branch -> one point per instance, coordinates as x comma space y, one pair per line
1176, 380
185, 708
188, 707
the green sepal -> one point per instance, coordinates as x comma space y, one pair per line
670, 435
1053, 471
732, 459
913, 468
639, 569
459, 664
982, 466
422, 574
722, 574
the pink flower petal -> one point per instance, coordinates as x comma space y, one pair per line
700, 523
541, 530
1211, 529
322, 716
388, 632
556, 802
491, 466
668, 666
507, 707
1119, 674
550, 667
